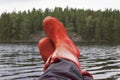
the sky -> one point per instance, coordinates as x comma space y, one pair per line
22, 5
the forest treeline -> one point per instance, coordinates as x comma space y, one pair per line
89, 25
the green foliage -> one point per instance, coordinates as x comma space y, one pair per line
91, 26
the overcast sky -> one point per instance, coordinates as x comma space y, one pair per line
21, 5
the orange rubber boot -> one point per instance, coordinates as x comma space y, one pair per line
64, 47
46, 48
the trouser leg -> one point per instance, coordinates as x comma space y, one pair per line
62, 70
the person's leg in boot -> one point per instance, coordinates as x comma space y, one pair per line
59, 70
46, 48
64, 59
64, 47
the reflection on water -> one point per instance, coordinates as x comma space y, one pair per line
22, 61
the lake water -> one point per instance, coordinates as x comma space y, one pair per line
22, 61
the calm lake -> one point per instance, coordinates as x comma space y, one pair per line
23, 62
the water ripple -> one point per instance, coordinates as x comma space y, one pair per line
102, 61
22, 62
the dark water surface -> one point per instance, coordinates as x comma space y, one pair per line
22, 61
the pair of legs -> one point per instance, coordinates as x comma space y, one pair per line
60, 53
